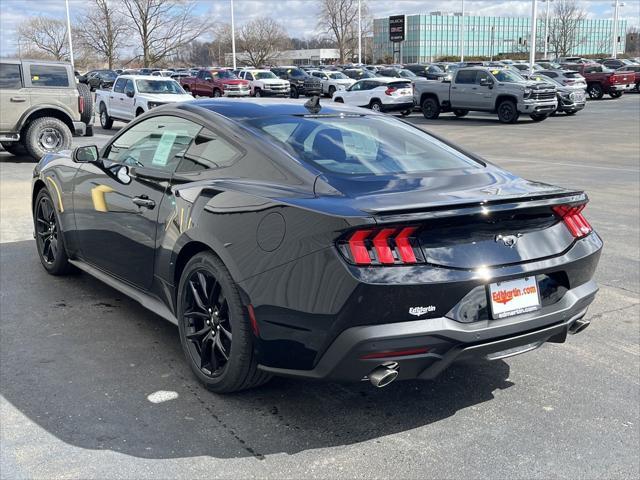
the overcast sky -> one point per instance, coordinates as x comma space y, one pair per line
299, 16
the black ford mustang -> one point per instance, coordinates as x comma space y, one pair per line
331, 244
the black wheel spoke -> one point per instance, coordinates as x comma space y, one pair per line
226, 332
43, 221
196, 297
199, 335
205, 351
193, 313
221, 349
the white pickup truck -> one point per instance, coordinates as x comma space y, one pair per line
132, 95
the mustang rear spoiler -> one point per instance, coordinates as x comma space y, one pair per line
428, 212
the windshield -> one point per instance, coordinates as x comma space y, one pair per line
406, 73
544, 78
507, 76
263, 75
109, 75
297, 72
159, 86
226, 74
338, 76
361, 145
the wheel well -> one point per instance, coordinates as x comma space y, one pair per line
101, 106
47, 112
187, 252
502, 98
39, 185
139, 111
424, 96
374, 100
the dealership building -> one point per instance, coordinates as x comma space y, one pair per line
317, 56
435, 35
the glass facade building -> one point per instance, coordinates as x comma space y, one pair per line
428, 37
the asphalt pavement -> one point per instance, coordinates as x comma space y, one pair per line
94, 386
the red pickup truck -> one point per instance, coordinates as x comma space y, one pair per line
216, 83
601, 80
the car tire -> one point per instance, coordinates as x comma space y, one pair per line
406, 113
45, 135
615, 94
376, 106
257, 93
87, 114
217, 93
188, 90
539, 117
595, 91
214, 324
106, 121
637, 87
458, 112
430, 108
508, 112
14, 148
294, 93
338, 100
331, 91
139, 112
49, 238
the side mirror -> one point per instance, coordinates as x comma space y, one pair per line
86, 154
130, 93
485, 82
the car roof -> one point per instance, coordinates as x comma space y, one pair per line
384, 79
240, 108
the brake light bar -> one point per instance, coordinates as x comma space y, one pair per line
81, 104
382, 246
572, 217
390, 90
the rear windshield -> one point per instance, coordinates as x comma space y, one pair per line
361, 144
226, 74
263, 75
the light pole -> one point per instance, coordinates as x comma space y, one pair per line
614, 40
233, 39
546, 29
534, 20
360, 32
462, 34
69, 33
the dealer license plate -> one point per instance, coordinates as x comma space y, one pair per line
514, 297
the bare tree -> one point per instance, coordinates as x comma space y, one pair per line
564, 27
163, 26
221, 43
632, 41
339, 19
261, 40
104, 30
46, 34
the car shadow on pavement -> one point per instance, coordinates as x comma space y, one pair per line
98, 371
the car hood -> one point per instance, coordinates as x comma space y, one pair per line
399, 193
165, 97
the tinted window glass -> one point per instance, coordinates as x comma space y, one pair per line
208, 150
129, 86
158, 142
49, 76
361, 145
10, 76
466, 76
481, 76
119, 85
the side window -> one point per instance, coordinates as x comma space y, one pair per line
466, 77
209, 150
207, 75
249, 76
481, 76
119, 85
49, 76
356, 87
10, 77
200, 74
158, 143
551, 74
129, 87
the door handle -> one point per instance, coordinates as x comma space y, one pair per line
144, 201
18, 99
110, 96
454, 88
474, 88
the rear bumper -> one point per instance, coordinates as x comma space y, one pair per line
397, 107
620, 87
446, 340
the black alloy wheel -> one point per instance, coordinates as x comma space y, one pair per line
207, 325
508, 112
595, 91
539, 117
294, 92
430, 108
49, 239
460, 113
615, 94
215, 331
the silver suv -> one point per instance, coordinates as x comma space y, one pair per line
42, 107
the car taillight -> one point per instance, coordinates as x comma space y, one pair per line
81, 104
382, 246
390, 90
572, 217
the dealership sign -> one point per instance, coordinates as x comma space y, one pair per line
396, 28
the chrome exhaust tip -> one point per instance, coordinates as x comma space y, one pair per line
578, 326
382, 376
